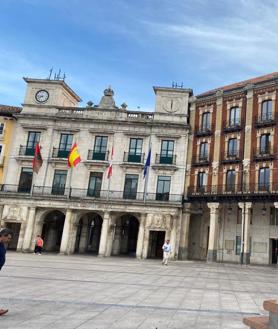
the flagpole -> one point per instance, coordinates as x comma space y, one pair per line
70, 176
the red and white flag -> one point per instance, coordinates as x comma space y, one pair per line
109, 174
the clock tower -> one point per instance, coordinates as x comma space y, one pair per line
49, 93
172, 100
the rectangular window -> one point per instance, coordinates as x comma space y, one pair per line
33, 139
264, 179
201, 181
135, 150
205, 121
234, 118
59, 182
25, 180
203, 155
2, 125
266, 110
65, 145
273, 216
230, 180
94, 186
232, 147
100, 147
163, 188
130, 189
167, 152
265, 144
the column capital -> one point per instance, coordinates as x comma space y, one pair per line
276, 204
241, 205
248, 205
213, 206
106, 215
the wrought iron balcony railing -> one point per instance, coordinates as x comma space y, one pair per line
165, 159
264, 120
134, 158
80, 194
58, 153
204, 131
25, 150
98, 156
231, 126
232, 156
263, 153
201, 160
249, 191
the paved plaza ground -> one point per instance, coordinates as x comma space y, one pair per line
86, 292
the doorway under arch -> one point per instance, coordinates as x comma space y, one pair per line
52, 230
88, 234
126, 234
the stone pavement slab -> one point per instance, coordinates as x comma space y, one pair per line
87, 292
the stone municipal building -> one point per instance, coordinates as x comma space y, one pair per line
211, 188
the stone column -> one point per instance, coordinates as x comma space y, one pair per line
2, 222
173, 236
66, 232
185, 222
29, 230
140, 238
83, 237
246, 250
213, 231
146, 244
111, 235
117, 240
104, 234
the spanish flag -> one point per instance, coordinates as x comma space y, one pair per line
73, 157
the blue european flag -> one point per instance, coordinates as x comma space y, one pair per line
148, 163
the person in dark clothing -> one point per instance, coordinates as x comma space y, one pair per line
5, 237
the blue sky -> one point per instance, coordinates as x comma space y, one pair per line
133, 45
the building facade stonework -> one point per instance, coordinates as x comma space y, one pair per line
211, 188
80, 210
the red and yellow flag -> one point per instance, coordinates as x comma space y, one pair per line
73, 157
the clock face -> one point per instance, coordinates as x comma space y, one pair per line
42, 96
172, 105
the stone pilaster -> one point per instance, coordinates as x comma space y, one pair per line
66, 232
213, 232
185, 222
104, 234
29, 230
246, 250
140, 239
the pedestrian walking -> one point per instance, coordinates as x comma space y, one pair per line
5, 237
38, 245
166, 252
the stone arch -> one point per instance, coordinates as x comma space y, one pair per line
88, 233
52, 229
126, 235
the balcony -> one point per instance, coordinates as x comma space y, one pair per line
58, 153
204, 131
134, 158
231, 157
163, 159
98, 156
264, 121
235, 192
229, 127
86, 194
201, 160
263, 154
26, 151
